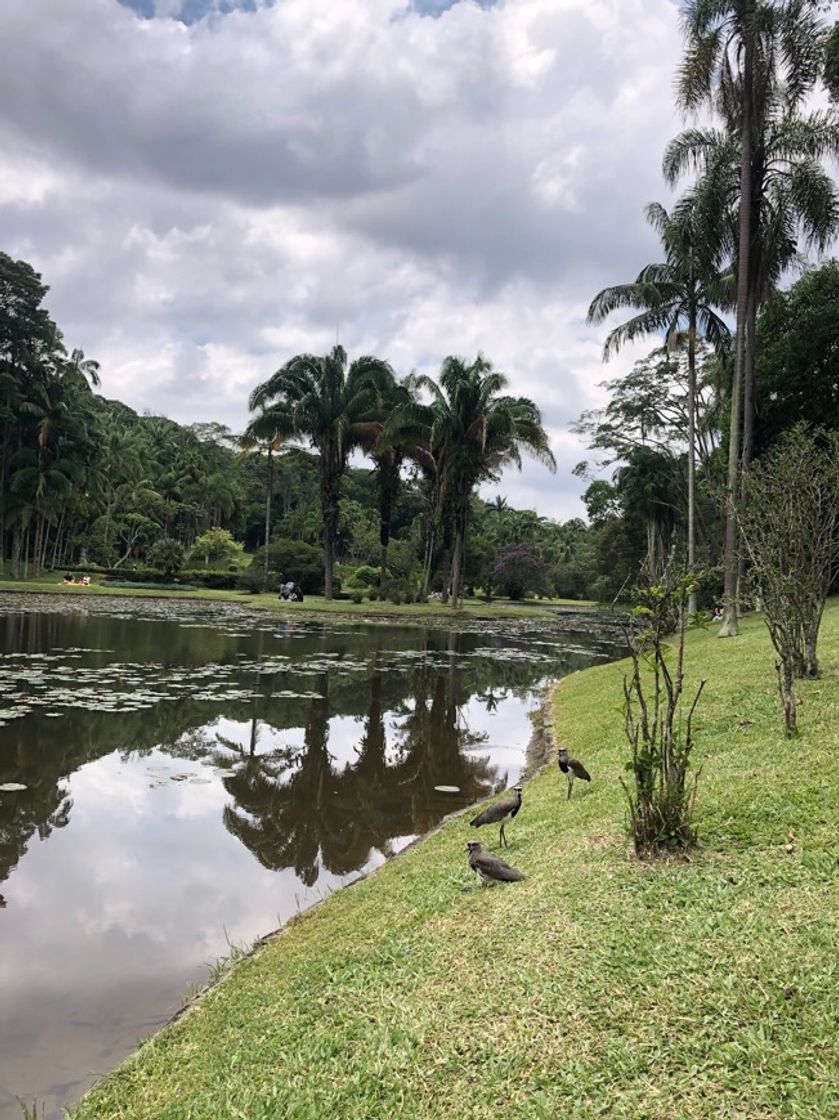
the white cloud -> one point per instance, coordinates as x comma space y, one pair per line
206, 200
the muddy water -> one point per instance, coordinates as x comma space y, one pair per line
195, 774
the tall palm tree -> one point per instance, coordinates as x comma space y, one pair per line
333, 405
740, 53
388, 455
472, 431
676, 298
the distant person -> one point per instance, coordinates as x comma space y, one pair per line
718, 613
85, 581
68, 578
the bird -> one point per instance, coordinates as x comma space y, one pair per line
506, 808
489, 868
572, 768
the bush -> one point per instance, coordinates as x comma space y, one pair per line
167, 555
253, 579
518, 573
357, 596
293, 560
215, 581
660, 788
364, 576
214, 549
398, 591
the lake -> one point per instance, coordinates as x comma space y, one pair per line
196, 773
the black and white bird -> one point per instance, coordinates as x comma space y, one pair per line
572, 768
501, 811
489, 868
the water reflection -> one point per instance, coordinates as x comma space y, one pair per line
267, 765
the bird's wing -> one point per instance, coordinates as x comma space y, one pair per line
482, 818
579, 770
495, 868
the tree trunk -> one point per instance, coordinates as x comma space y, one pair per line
329, 504
459, 552
427, 560
692, 455
786, 688
56, 552
729, 626
386, 494
748, 413
16, 543
446, 566
269, 489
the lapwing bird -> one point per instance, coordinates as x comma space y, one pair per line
489, 868
501, 811
572, 768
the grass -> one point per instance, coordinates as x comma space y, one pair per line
599, 987
51, 583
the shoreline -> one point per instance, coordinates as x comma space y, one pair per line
317, 608
539, 755
562, 992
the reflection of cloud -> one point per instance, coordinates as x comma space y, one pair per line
428, 176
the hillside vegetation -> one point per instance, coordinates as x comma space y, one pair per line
599, 987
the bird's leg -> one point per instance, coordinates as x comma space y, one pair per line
502, 838
570, 784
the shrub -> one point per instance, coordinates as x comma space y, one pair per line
215, 549
659, 795
518, 573
357, 596
293, 560
167, 555
364, 576
253, 579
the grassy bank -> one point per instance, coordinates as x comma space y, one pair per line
598, 987
312, 605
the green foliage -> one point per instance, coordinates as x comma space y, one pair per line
290, 560
790, 525
831, 63
798, 344
167, 555
659, 794
364, 576
215, 548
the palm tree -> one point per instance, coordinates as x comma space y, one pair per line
472, 432
388, 455
740, 54
677, 298
333, 406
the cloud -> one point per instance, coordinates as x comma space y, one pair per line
211, 187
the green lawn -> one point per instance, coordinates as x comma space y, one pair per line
51, 583
599, 987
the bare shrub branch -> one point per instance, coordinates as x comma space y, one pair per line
659, 794
790, 526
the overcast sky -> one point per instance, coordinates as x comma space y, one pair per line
211, 186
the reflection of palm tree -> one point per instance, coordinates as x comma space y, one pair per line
287, 825
41, 808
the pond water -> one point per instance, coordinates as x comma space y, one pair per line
196, 773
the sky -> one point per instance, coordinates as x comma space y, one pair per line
212, 186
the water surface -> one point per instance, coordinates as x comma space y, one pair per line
196, 774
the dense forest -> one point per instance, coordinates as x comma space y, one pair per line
87, 483
739, 356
